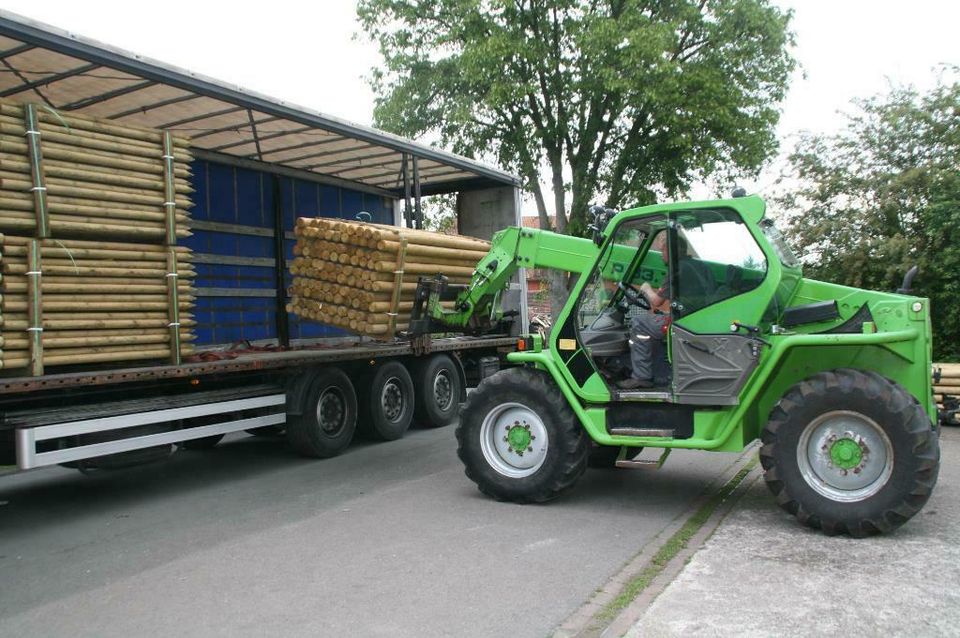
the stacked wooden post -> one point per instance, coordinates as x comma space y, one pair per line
91, 213
362, 276
949, 383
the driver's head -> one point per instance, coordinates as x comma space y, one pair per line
661, 244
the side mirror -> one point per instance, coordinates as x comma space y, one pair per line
599, 217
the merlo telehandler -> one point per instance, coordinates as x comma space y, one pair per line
833, 380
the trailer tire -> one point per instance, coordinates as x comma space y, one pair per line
387, 402
329, 418
518, 438
850, 452
438, 391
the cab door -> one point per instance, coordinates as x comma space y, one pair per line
717, 271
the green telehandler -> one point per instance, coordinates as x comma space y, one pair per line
834, 381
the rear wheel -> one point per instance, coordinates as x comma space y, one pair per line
438, 387
518, 438
851, 452
387, 402
329, 417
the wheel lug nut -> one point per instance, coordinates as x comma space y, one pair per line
530, 449
533, 437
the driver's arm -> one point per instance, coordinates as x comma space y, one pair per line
657, 302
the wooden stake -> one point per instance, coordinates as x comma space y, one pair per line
34, 310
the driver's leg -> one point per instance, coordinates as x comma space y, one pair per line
643, 328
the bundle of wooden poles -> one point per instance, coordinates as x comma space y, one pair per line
949, 383
91, 213
101, 180
100, 302
362, 277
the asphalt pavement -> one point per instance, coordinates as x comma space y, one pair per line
762, 574
389, 539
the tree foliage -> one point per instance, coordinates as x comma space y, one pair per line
615, 100
883, 195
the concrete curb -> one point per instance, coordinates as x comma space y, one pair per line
590, 620
629, 616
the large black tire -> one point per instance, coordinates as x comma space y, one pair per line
386, 402
849, 451
504, 462
329, 418
439, 388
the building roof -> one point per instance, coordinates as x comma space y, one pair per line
44, 64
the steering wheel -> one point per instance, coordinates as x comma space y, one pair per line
633, 295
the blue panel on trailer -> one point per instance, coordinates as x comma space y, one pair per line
254, 277
307, 199
386, 206
287, 200
200, 198
250, 246
329, 202
246, 197
250, 210
224, 243
266, 202
223, 194
352, 203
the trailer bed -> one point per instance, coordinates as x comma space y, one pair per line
247, 361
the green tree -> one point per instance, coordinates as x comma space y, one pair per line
619, 101
883, 195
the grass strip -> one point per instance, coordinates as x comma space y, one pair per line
674, 545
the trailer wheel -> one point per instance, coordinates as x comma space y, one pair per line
329, 417
518, 438
848, 451
439, 389
387, 402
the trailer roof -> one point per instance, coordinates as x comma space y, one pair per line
44, 64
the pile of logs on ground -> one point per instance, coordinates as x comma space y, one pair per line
362, 277
91, 213
949, 383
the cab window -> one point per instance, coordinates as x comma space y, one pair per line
717, 259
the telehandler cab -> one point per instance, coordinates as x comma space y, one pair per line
835, 381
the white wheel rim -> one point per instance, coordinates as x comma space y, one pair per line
856, 481
503, 431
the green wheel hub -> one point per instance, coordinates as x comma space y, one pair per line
846, 453
519, 437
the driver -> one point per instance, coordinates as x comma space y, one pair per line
651, 325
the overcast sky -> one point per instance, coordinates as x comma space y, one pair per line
305, 53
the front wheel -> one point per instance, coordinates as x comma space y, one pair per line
851, 452
518, 438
